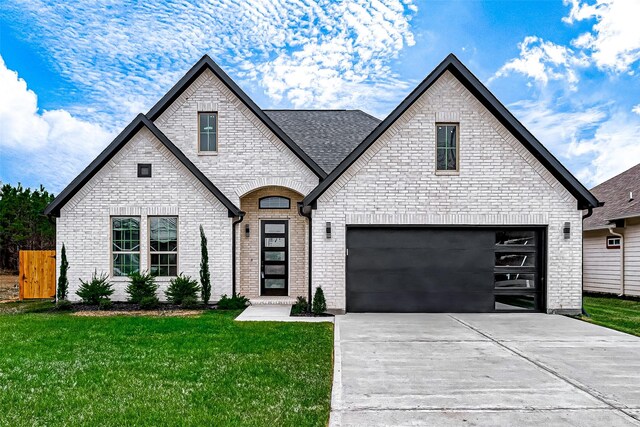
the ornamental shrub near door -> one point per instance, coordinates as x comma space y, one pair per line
181, 288
319, 302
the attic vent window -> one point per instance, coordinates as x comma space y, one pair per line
274, 202
144, 170
447, 147
208, 132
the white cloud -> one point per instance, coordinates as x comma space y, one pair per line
125, 57
636, 109
544, 61
614, 41
52, 144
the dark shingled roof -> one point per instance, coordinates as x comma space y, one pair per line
615, 195
327, 136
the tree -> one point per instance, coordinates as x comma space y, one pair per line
63, 282
205, 276
23, 224
319, 302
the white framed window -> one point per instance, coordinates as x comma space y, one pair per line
163, 246
613, 242
125, 245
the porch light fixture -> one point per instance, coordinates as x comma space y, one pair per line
328, 230
567, 230
247, 230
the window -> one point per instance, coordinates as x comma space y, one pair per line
447, 147
208, 132
163, 246
613, 242
274, 202
144, 170
125, 245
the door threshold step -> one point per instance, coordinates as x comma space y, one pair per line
272, 300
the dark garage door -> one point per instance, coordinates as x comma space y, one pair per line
419, 269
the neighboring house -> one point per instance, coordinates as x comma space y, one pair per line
448, 204
611, 237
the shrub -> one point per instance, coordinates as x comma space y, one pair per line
149, 303
63, 282
189, 302
301, 306
205, 276
236, 302
141, 285
97, 288
319, 302
180, 288
105, 304
64, 305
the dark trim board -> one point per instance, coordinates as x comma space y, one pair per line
116, 145
471, 82
445, 268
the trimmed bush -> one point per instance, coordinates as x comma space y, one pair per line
301, 306
205, 276
180, 288
319, 302
236, 302
63, 282
189, 302
141, 285
96, 289
149, 303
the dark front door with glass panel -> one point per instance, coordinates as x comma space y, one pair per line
274, 262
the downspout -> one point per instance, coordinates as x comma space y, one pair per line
621, 259
585, 216
306, 212
233, 251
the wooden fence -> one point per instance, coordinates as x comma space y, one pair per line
37, 274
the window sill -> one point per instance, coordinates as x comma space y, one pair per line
207, 153
448, 173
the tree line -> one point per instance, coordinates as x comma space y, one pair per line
23, 225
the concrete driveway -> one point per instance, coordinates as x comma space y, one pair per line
484, 370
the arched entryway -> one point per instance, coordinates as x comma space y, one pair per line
273, 244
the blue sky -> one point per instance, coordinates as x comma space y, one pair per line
73, 74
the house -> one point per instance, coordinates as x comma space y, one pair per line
611, 237
447, 205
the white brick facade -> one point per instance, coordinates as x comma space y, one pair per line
499, 183
84, 223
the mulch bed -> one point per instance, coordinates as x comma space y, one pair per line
131, 309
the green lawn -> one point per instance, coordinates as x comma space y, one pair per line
614, 313
58, 369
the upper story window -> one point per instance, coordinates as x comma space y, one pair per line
274, 202
613, 242
125, 245
208, 132
447, 147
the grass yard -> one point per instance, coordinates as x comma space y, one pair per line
59, 369
614, 313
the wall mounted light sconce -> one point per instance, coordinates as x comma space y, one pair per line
567, 230
247, 230
328, 230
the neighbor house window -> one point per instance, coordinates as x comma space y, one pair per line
163, 246
613, 242
208, 132
447, 147
125, 245
274, 202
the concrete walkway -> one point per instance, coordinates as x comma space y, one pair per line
483, 370
275, 313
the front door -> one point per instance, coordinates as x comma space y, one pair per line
274, 259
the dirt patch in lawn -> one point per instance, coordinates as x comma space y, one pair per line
153, 313
9, 290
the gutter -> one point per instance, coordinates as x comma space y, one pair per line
233, 251
306, 212
621, 259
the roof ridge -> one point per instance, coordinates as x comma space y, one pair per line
616, 177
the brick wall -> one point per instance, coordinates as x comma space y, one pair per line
84, 223
499, 183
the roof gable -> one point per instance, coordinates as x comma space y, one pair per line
118, 143
453, 65
207, 63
